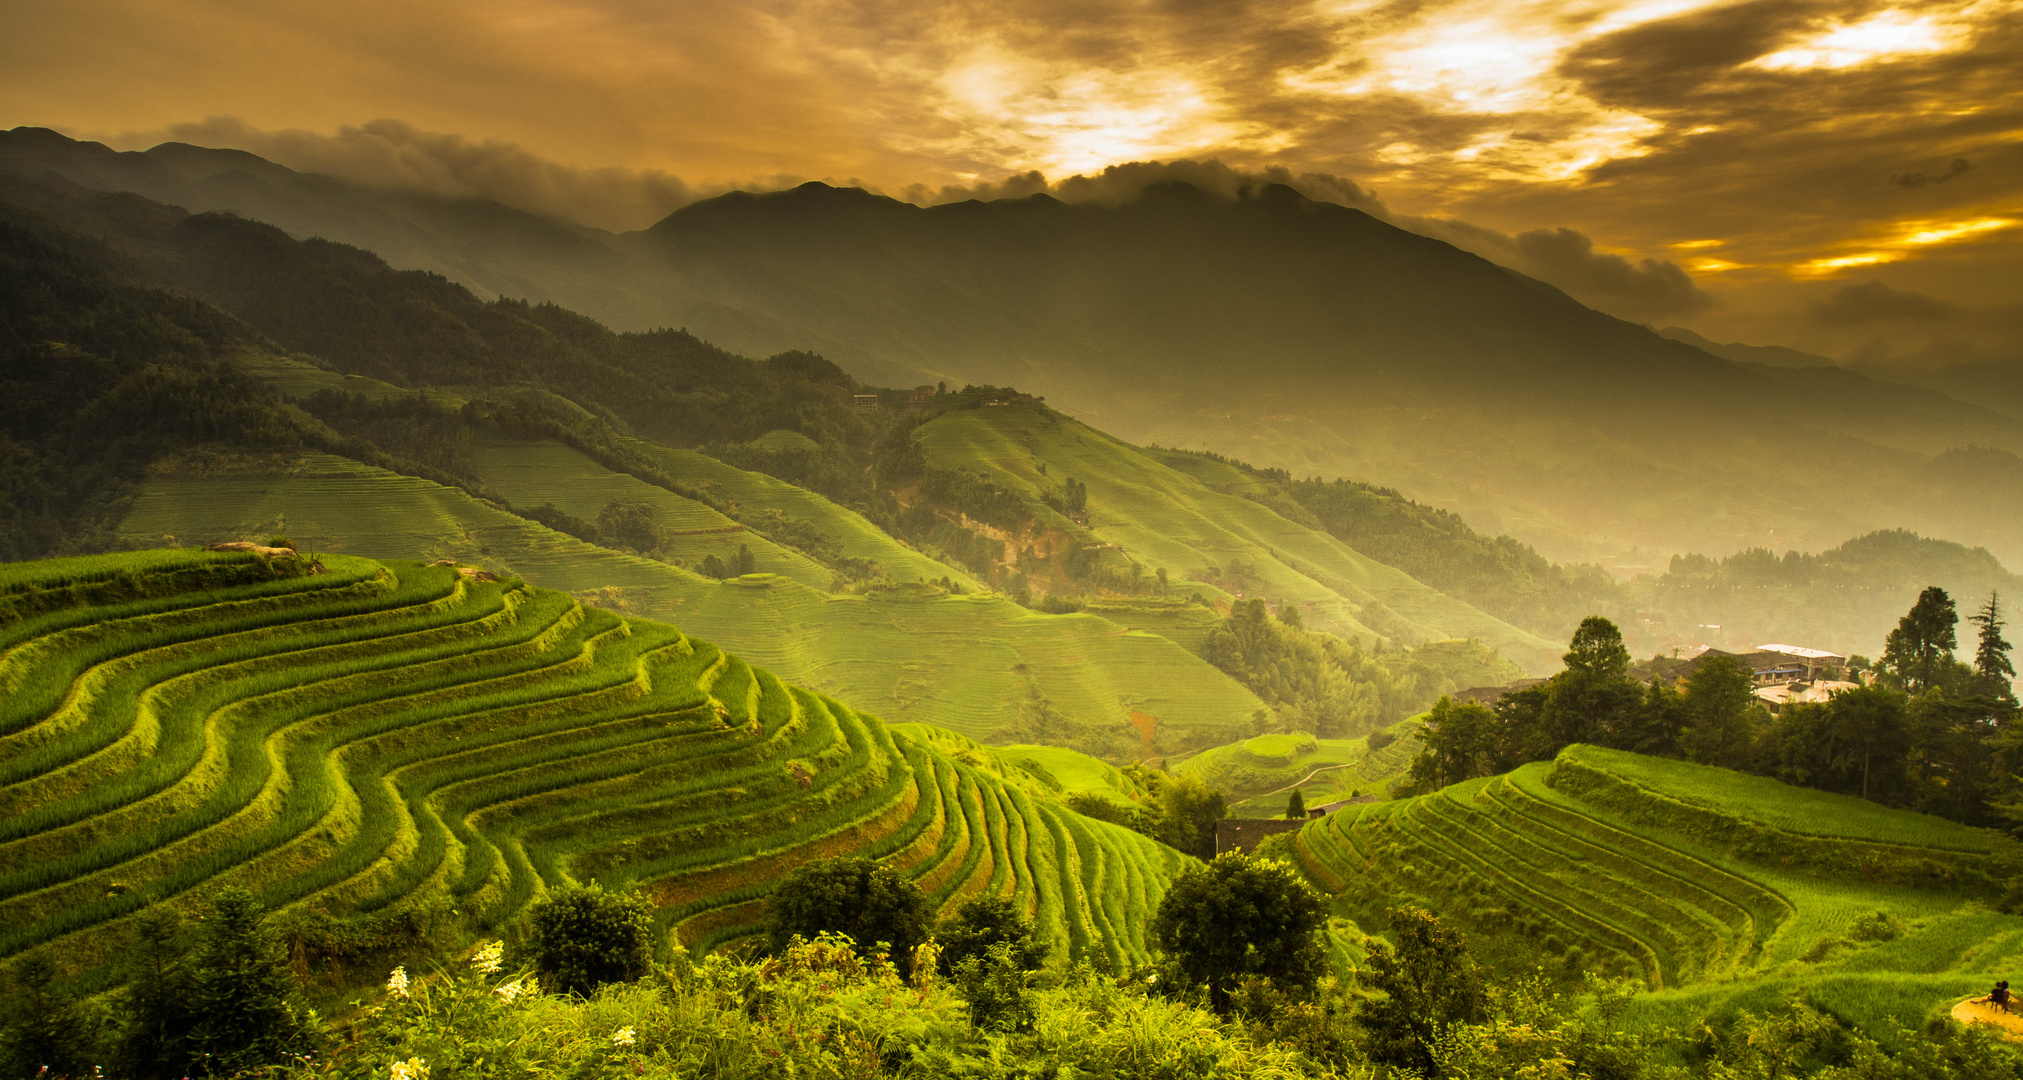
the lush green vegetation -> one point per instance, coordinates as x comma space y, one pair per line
1140, 515
1720, 891
1319, 684
1258, 773
1932, 734
381, 743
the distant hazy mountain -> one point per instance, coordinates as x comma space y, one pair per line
1291, 333
1767, 355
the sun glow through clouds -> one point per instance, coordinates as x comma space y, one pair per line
1886, 35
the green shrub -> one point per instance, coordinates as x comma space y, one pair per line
1239, 916
583, 938
984, 924
994, 987
1427, 983
869, 903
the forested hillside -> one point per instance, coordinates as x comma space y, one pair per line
1188, 319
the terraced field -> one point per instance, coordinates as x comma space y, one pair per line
1165, 517
1672, 873
532, 473
1258, 774
964, 662
392, 735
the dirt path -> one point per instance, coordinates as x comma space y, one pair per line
1976, 1012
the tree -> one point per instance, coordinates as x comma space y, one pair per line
1594, 700
1288, 613
1659, 724
983, 924
631, 525
1458, 744
1189, 810
869, 903
1239, 916
1296, 805
44, 1030
747, 564
583, 938
158, 1017
1720, 712
1164, 581
1991, 654
1597, 649
240, 1000
1854, 743
1428, 984
1920, 650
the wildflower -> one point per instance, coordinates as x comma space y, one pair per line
413, 1068
623, 1037
396, 983
511, 990
490, 959
1152, 979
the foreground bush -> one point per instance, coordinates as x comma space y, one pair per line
1242, 916
870, 904
584, 937
817, 1009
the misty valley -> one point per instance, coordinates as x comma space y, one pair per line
1208, 630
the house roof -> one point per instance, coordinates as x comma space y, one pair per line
1802, 653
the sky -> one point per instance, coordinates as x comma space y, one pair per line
1840, 176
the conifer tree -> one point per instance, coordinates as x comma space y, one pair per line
1296, 805
1991, 655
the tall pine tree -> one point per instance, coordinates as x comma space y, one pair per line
1991, 655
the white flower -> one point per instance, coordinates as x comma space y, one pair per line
396, 983
1152, 979
490, 959
510, 991
413, 1068
623, 1037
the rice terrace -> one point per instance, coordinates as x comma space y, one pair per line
933, 541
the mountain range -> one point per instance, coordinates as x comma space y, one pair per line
1293, 334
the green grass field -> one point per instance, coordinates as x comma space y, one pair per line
1164, 517
964, 662
391, 735
1698, 881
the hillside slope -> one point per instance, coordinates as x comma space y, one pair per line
1160, 517
1719, 890
975, 663
392, 735
1294, 334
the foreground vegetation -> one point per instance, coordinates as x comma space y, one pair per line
1243, 993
